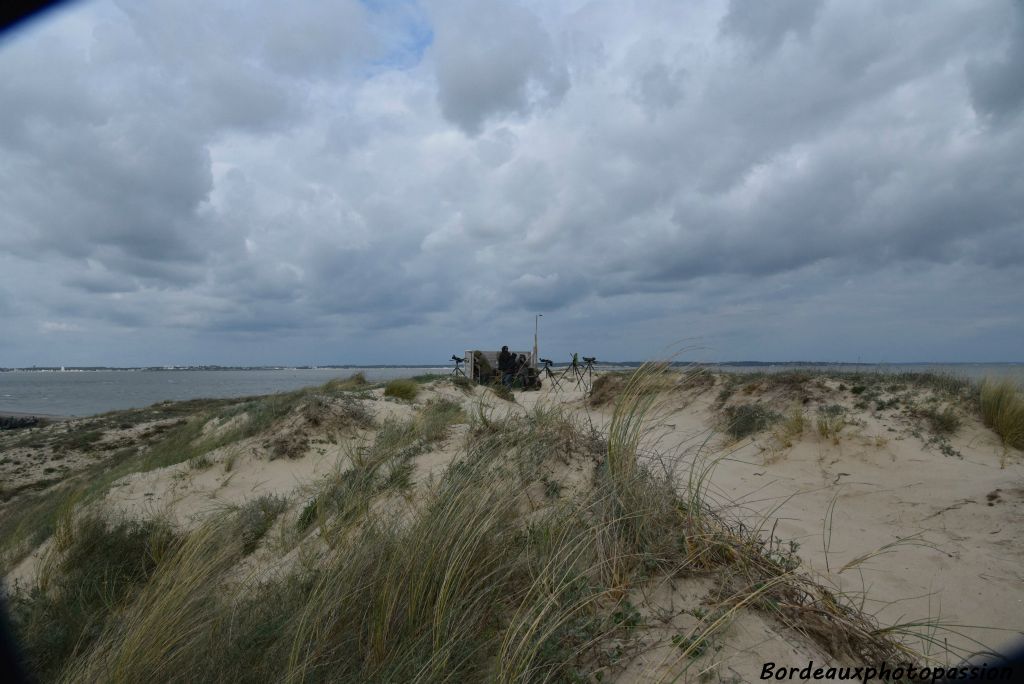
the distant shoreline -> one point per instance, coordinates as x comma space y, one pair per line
4, 413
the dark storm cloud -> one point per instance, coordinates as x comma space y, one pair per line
401, 176
493, 58
764, 25
997, 84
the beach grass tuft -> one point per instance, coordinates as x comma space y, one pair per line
404, 388
1002, 409
743, 420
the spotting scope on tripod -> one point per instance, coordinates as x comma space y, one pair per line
457, 371
546, 371
588, 367
583, 373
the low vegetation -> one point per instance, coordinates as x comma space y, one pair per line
189, 432
354, 382
791, 426
255, 517
503, 392
402, 389
743, 420
830, 421
97, 564
1002, 409
944, 423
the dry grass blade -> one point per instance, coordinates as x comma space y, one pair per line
915, 539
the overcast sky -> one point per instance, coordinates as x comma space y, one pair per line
392, 182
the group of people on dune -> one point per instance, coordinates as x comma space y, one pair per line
510, 365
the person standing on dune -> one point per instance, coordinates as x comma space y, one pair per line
505, 366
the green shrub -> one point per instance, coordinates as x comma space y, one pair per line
98, 565
256, 516
1002, 409
945, 422
792, 425
307, 515
463, 383
503, 392
831, 421
356, 381
747, 419
436, 416
402, 389
606, 388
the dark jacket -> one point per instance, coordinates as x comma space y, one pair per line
505, 359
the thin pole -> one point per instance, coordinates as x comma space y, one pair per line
536, 325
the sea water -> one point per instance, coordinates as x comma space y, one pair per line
83, 393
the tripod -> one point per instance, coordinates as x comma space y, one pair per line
589, 369
457, 371
546, 370
575, 371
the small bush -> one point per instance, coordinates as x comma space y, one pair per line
80, 440
1002, 409
790, 380
316, 410
747, 419
307, 515
606, 388
463, 383
289, 445
945, 422
831, 421
399, 475
201, 462
792, 425
356, 381
402, 389
256, 516
503, 392
435, 418
101, 565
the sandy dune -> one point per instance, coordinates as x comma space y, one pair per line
910, 528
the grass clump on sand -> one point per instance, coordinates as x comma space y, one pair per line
436, 416
744, 420
94, 567
606, 388
385, 465
354, 382
943, 423
831, 421
1002, 409
402, 389
255, 517
791, 426
503, 392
